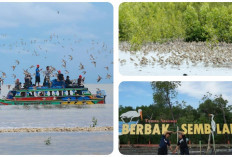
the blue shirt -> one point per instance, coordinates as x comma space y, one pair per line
37, 72
164, 142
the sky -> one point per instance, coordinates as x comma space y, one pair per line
140, 93
47, 33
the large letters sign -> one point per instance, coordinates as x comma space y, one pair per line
156, 129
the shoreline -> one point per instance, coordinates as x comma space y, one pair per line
58, 129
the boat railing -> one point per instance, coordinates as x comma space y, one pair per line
53, 92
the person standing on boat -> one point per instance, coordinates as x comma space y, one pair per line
47, 77
17, 85
164, 143
60, 78
182, 144
37, 75
28, 82
80, 81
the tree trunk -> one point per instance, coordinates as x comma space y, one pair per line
170, 106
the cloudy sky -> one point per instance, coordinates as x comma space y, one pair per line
140, 93
47, 33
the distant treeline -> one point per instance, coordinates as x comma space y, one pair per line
145, 22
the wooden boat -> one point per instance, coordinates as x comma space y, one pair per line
53, 96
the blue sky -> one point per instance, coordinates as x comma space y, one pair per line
46, 33
140, 93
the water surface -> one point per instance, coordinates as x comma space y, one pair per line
62, 143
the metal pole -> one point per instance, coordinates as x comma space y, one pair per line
200, 146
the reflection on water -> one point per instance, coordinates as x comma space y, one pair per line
61, 143
55, 116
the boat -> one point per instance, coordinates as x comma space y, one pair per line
58, 95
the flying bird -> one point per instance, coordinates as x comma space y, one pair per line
108, 76
14, 76
70, 57
3, 75
99, 78
17, 62
13, 67
94, 63
81, 66
32, 66
107, 68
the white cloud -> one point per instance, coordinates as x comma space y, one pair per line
199, 89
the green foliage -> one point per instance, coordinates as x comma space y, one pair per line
48, 141
141, 23
183, 113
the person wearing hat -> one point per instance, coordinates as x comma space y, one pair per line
164, 143
80, 81
182, 144
37, 75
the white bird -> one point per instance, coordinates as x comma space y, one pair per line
213, 124
70, 57
81, 66
17, 62
213, 129
131, 115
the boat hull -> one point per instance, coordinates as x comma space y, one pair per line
54, 102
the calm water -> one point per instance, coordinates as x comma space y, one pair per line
61, 143
55, 116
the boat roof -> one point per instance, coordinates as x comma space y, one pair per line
50, 89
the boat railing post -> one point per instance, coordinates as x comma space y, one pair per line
55, 93
46, 93
64, 92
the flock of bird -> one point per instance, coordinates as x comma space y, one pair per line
96, 50
178, 53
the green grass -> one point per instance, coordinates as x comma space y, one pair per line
145, 22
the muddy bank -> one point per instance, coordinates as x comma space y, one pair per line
176, 58
58, 129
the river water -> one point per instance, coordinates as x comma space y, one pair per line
50, 116
62, 143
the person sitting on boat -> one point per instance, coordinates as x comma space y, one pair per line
60, 78
80, 81
37, 75
28, 82
17, 85
47, 81
68, 83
